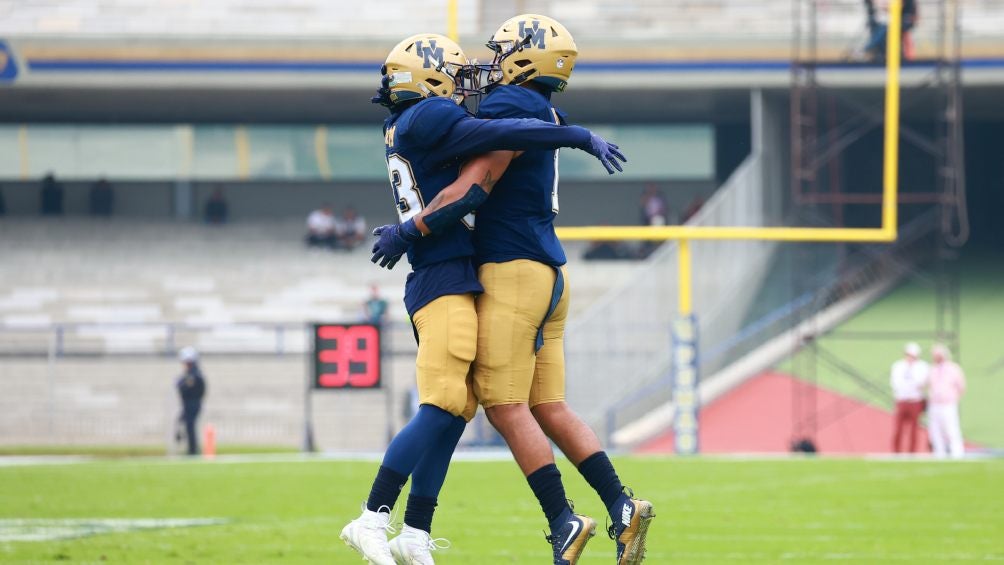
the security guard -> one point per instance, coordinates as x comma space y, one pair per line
191, 389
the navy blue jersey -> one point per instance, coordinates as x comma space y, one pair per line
425, 146
418, 170
517, 220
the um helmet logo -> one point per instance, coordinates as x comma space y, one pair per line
432, 56
537, 34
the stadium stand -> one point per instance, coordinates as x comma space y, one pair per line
154, 273
88, 340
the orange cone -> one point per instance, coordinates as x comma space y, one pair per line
209, 441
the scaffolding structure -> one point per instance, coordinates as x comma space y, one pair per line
824, 123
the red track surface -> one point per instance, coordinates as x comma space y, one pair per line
756, 417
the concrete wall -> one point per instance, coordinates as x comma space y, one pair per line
260, 400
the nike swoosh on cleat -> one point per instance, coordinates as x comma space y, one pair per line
571, 536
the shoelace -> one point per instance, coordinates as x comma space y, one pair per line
554, 541
389, 526
439, 543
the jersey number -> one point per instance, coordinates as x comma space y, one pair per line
402, 181
406, 192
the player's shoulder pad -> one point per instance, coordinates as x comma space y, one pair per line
509, 101
429, 119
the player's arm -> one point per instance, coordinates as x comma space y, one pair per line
453, 202
448, 132
458, 134
476, 181
474, 136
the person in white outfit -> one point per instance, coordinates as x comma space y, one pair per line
908, 379
946, 386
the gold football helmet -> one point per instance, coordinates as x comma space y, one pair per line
534, 47
425, 65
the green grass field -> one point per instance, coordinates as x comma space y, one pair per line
912, 306
708, 511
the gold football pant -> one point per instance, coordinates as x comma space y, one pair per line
508, 368
447, 340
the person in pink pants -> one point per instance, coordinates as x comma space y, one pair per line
946, 385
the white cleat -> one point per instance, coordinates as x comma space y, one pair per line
415, 547
367, 534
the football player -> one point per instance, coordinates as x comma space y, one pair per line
427, 136
519, 369
520, 362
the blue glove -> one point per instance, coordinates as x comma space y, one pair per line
383, 93
606, 152
394, 241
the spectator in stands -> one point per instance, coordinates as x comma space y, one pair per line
908, 379
191, 388
946, 386
654, 211
102, 198
52, 196
217, 210
375, 307
350, 229
875, 49
321, 227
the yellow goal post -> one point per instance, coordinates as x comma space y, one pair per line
887, 232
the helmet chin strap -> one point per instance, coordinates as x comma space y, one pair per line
523, 77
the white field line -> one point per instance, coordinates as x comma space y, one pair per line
49, 529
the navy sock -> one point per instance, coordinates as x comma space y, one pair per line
404, 453
600, 474
546, 485
386, 488
418, 513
